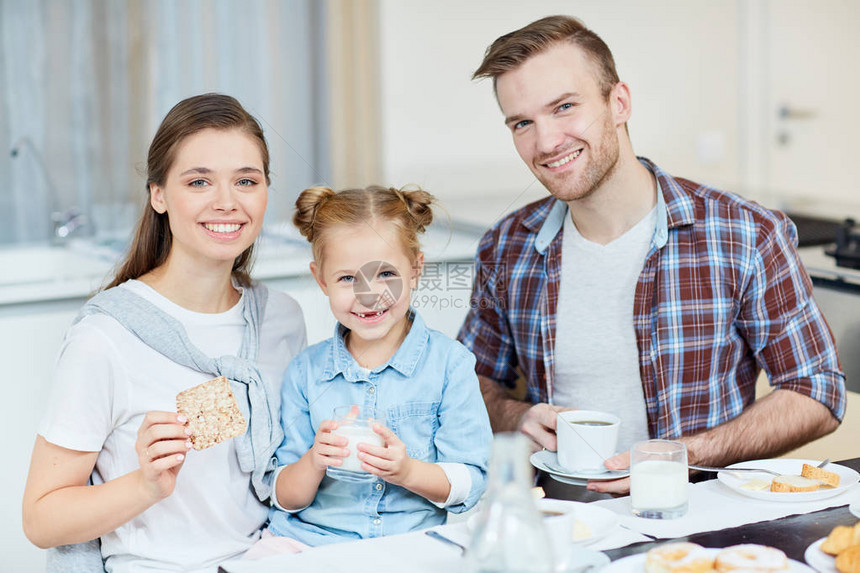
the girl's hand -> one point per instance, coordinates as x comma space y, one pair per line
390, 462
329, 449
162, 441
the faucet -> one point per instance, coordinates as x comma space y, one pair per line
64, 223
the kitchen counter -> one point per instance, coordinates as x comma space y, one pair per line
836, 292
34, 273
823, 270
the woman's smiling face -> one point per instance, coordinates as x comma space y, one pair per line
215, 195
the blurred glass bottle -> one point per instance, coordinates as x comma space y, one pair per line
509, 535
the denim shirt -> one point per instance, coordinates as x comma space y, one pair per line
429, 396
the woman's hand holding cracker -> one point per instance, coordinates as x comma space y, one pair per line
162, 442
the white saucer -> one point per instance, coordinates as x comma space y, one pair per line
569, 481
547, 461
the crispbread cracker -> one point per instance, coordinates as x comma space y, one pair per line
212, 412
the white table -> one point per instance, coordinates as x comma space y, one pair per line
712, 506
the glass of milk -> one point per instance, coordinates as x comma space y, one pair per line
659, 479
355, 423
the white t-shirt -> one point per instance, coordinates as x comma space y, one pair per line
596, 355
106, 380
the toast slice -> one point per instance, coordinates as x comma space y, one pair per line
827, 478
793, 483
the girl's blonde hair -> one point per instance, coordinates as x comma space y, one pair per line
320, 208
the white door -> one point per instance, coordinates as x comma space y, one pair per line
812, 60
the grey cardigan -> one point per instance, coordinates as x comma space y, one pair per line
165, 334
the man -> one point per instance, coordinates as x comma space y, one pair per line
634, 292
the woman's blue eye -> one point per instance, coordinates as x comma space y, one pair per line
198, 183
245, 182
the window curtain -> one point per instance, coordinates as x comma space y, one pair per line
85, 83
352, 62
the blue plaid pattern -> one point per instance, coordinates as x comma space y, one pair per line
722, 295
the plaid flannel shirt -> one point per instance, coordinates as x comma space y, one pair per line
722, 295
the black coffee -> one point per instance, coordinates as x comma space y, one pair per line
591, 423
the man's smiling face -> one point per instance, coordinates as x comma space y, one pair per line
563, 127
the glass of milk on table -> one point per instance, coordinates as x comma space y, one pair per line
356, 425
658, 479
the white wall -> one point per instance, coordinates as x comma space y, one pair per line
444, 131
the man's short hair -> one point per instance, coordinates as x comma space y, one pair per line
510, 51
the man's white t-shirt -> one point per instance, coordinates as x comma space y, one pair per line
106, 380
596, 355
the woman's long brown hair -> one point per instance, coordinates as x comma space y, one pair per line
152, 238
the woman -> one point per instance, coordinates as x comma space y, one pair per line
182, 297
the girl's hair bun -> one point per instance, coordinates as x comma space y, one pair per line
307, 204
419, 205
319, 209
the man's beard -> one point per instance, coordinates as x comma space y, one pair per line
602, 164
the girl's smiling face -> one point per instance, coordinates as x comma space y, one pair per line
368, 276
215, 196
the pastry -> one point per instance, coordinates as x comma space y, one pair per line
848, 561
841, 538
750, 558
679, 557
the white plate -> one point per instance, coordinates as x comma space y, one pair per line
847, 478
636, 564
547, 461
599, 520
818, 559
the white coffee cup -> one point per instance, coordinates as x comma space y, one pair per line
585, 439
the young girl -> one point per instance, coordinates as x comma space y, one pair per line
182, 298
432, 420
